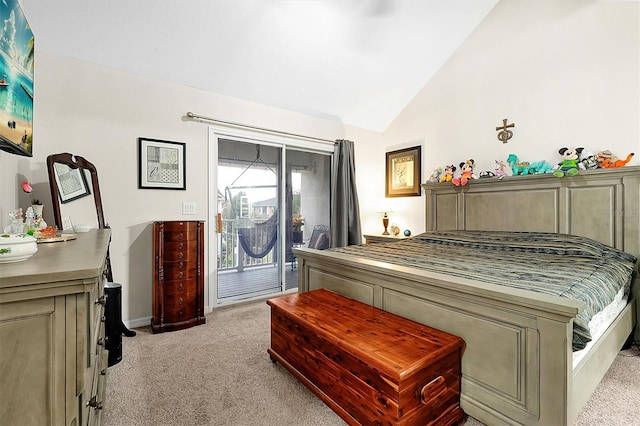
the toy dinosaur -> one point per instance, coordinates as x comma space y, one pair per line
540, 167
517, 167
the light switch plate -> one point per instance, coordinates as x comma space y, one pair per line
189, 208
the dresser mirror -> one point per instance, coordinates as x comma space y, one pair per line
68, 182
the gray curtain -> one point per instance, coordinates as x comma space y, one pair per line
345, 213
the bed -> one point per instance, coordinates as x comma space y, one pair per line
519, 366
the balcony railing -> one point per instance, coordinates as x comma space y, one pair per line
230, 252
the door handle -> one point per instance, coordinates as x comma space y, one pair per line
219, 223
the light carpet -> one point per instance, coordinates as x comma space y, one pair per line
219, 373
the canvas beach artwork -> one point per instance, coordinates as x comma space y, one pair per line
16, 80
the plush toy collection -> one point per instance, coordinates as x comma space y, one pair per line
572, 160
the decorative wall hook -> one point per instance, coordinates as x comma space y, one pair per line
505, 134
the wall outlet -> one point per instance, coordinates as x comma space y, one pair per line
189, 208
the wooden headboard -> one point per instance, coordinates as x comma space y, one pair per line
602, 204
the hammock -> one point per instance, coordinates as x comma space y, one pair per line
258, 240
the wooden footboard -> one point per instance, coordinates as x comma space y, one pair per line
517, 365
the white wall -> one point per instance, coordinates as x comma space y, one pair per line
565, 72
369, 155
99, 113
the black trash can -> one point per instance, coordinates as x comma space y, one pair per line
113, 321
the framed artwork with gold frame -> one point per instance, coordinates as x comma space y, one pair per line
403, 172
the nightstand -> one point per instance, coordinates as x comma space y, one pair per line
379, 238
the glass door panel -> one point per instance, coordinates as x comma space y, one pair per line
248, 246
308, 176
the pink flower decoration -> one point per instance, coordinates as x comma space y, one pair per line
26, 187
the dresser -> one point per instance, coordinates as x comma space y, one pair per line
53, 363
178, 275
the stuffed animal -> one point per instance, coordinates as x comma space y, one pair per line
540, 167
487, 174
435, 176
613, 161
570, 163
602, 155
499, 170
447, 176
589, 161
517, 167
466, 173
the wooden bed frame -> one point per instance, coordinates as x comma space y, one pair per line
517, 365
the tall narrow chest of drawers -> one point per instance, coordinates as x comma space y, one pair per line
178, 275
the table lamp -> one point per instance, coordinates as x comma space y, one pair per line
385, 223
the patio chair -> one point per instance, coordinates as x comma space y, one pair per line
320, 238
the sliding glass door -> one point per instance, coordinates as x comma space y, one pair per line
249, 176
308, 198
267, 198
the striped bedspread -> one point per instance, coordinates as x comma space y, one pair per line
555, 264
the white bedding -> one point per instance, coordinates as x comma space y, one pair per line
600, 322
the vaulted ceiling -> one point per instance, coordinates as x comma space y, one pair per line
359, 61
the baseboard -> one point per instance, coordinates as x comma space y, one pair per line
139, 322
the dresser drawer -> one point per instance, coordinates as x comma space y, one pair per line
179, 300
96, 398
178, 236
180, 250
184, 266
179, 287
178, 314
180, 226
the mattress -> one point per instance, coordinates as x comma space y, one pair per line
600, 322
560, 265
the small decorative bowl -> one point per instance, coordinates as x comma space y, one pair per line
16, 247
81, 228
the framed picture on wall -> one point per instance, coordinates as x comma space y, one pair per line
16, 81
403, 172
161, 164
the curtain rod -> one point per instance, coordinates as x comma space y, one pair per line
201, 118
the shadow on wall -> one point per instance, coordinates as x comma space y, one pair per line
137, 297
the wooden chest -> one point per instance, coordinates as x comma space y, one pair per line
178, 285
370, 366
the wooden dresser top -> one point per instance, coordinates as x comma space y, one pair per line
77, 259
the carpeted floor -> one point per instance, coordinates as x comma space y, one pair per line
220, 373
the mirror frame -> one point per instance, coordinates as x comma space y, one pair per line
76, 162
